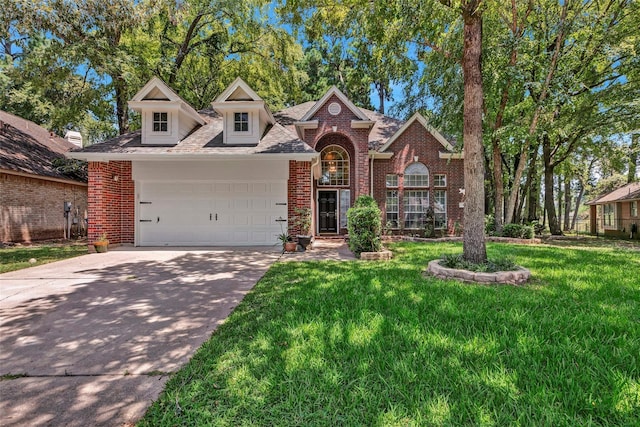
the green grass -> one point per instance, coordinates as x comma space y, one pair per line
17, 258
377, 344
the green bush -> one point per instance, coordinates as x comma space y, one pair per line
491, 266
489, 225
364, 226
518, 231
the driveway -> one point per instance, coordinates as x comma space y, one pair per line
93, 339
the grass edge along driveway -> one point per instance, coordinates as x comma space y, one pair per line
359, 343
17, 257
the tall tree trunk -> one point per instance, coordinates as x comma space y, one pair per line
549, 200
559, 211
122, 108
474, 247
634, 152
498, 183
567, 202
534, 188
515, 189
577, 208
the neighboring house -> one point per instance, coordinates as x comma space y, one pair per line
32, 191
616, 213
234, 175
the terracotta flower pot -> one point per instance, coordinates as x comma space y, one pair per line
101, 247
290, 246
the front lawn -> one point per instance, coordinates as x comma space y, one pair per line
367, 343
16, 258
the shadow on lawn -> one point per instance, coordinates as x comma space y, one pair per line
370, 344
135, 318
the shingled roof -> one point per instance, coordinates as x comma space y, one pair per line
207, 139
28, 148
383, 129
626, 193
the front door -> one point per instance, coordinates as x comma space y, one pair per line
327, 211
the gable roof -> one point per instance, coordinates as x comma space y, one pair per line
205, 141
238, 90
342, 97
423, 121
157, 90
628, 192
30, 149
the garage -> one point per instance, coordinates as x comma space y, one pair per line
210, 204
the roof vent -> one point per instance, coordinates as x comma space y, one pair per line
74, 137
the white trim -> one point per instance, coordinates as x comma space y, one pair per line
105, 157
237, 83
138, 102
452, 156
302, 126
377, 155
342, 97
420, 118
362, 124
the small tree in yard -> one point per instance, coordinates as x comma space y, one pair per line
364, 226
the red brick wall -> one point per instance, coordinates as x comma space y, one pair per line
32, 209
417, 141
111, 202
299, 190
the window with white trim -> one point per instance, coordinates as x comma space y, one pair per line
439, 180
609, 215
440, 208
391, 207
335, 166
634, 208
416, 204
241, 122
391, 180
160, 122
416, 175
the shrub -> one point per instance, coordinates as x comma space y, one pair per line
489, 225
518, 231
364, 226
491, 266
538, 228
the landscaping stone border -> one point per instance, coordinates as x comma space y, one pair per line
535, 241
516, 277
384, 255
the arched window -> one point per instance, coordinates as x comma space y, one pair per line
416, 175
416, 196
335, 166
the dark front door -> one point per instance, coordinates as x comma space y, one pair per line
327, 210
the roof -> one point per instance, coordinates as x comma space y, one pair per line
626, 193
384, 126
205, 140
28, 148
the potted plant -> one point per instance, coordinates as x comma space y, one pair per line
102, 244
302, 220
288, 244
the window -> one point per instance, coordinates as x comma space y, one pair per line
241, 122
345, 204
160, 122
608, 215
634, 208
392, 180
335, 167
440, 208
391, 207
416, 204
440, 180
416, 175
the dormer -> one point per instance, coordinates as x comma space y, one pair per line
245, 115
166, 118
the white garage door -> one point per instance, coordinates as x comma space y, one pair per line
192, 213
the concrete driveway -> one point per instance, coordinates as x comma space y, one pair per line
94, 338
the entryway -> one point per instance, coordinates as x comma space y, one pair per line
328, 211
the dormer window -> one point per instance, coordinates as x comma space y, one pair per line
241, 122
160, 122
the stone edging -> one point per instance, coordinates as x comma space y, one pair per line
376, 256
534, 241
516, 277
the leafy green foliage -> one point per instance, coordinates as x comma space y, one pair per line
73, 168
518, 231
491, 266
364, 226
351, 343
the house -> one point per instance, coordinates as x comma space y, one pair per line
32, 192
616, 213
235, 174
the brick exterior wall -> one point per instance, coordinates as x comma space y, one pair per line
31, 208
299, 191
418, 141
111, 202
